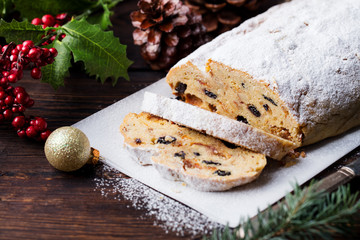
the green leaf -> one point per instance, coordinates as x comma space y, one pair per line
56, 72
101, 52
102, 18
38, 8
20, 31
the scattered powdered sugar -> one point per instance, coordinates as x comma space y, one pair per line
169, 214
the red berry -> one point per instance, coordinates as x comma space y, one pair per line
18, 122
50, 60
20, 74
5, 73
15, 109
36, 73
8, 114
4, 48
22, 98
53, 52
2, 95
28, 43
9, 100
15, 51
61, 16
45, 135
40, 124
45, 53
19, 90
31, 132
16, 66
32, 122
21, 133
34, 53
36, 21
18, 47
21, 108
48, 20
1, 118
13, 58
30, 103
25, 50
57, 25
61, 37
3, 81
12, 78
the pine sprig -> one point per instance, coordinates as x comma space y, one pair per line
304, 214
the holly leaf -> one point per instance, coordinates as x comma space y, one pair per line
101, 52
38, 8
20, 31
56, 72
101, 18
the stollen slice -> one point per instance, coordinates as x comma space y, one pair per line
217, 125
179, 153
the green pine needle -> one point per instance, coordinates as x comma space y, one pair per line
304, 214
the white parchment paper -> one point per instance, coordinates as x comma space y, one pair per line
102, 129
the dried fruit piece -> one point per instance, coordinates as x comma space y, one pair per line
242, 119
270, 100
180, 87
166, 140
222, 173
229, 145
180, 154
138, 141
210, 94
254, 110
211, 162
266, 107
196, 154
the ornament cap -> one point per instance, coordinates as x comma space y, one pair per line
95, 156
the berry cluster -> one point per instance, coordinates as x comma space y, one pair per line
51, 21
15, 100
15, 58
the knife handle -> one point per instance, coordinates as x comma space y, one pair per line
334, 180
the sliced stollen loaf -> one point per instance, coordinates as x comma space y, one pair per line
179, 153
293, 71
217, 125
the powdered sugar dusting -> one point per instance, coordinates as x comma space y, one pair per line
170, 215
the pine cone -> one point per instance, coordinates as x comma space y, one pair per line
166, 30
222, 15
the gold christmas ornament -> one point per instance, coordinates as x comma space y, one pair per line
68, 149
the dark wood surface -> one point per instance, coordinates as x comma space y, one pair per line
39, 202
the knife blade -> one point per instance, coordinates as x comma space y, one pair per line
342, 175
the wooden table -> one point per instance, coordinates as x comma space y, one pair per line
39, 202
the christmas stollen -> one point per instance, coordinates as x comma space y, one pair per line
217, 125
179, 153
293, 71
